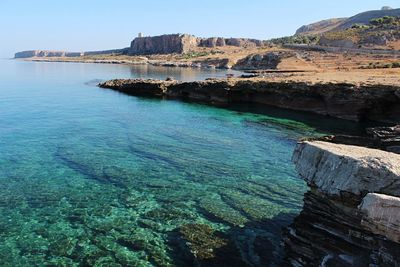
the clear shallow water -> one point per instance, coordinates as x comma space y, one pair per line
91, 177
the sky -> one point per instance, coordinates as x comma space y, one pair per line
85, 25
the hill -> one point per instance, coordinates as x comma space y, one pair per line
328, 25
320, 27
381, 33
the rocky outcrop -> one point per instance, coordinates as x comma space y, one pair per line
351, 214
387, 138
184, 43
335, 169
345, 101
262, 61
243, 42
164, 44
212, 42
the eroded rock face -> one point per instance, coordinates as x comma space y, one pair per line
164, 44
212, 42
345, 101
184, 43
348, 218
262, 61
329, 232
382, 215
387, 138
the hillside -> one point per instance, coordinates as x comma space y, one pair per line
381, 32
320, 26
345, 23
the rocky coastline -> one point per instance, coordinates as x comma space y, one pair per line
351, 213
355, 102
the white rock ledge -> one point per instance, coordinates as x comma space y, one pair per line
382, 215
336, 169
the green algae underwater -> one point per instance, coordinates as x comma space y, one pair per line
91, 177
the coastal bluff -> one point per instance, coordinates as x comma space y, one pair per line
347, 101
351, 215
153, 45
63, 54
184, 43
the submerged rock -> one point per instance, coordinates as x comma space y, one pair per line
209, 247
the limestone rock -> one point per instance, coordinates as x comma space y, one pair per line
340, 169
329, 232
269, 60
212, 42
163, 44
345, 101
382, 215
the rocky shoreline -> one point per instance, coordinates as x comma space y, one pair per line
351, 213
355, 102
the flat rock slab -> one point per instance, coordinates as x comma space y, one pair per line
339, 169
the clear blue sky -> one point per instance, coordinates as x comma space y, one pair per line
81, 25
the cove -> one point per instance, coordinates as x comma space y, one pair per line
92, 177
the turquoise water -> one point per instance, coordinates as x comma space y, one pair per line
91, 177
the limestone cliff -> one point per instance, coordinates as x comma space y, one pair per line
46, 53
184, 43
164, 44
50, 53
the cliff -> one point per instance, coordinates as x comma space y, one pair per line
351, 213
184, 43
50, 53
46, 53
345, 101
164, 44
